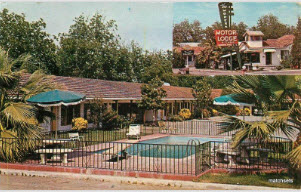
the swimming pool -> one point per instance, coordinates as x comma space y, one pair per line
167, 147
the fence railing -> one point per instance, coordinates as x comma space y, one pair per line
250, 155
145, 157
99, 135
194, 127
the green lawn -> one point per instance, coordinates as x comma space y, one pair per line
254, 179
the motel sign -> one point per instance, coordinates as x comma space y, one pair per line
225, 38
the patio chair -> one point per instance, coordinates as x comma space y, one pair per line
76, 137
162, 126
172, 130
134, 131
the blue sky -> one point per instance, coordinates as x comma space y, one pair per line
248, 12
147, 23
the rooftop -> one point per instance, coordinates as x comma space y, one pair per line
197, 50
254, 33
281, 42
116, 90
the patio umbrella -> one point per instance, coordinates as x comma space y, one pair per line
229, 100
56, 98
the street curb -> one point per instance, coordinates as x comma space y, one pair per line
131, 180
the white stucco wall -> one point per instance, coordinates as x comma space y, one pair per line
255, 43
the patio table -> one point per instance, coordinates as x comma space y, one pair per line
54, 145
232, 155
55, 142
263, 152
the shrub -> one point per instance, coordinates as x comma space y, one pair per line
206, 113
214, 112
247, 111
79, 124
287, 63
185, 113
110, 119
176, 118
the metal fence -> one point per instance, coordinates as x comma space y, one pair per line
99, 135
251, 155
194, 127
189, 159
159, 158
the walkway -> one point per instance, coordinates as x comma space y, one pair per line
30, 180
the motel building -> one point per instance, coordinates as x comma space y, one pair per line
256, 52
189, 52
265, 53
122, 97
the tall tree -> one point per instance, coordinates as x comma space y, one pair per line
271, 27
296, 48
90, 49
20, 36
210, 53
201, 92
187, 32
159, 64
152, 95
241, 28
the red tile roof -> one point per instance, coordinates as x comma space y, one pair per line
281, 42
116, 90
197, 50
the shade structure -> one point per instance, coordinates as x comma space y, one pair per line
56, 98
229, 100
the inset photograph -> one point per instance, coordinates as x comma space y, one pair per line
236, 38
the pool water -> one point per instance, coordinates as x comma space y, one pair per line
167, 147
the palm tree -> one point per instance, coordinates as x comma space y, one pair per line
18, 119
268, 92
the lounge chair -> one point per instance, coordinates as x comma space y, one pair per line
134, 131
75, 136
115, 150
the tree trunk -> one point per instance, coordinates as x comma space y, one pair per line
143, 116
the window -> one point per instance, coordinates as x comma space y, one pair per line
256, 38
68, 113
284, 54
190, 58
253, 57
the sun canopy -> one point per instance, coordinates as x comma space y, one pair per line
57, 98
228, 55
229, 100
269, 50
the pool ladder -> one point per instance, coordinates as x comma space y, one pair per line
191, 142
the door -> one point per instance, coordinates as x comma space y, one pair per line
268, 58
